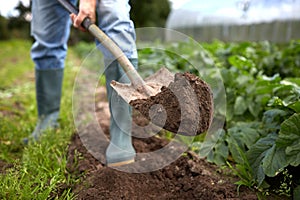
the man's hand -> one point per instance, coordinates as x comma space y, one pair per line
87, 8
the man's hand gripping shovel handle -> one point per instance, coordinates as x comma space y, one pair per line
136, 80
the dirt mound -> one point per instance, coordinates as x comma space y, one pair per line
188, 177
4, 166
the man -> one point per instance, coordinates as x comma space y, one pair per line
50, 27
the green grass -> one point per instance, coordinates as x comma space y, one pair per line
13, 63
39, 169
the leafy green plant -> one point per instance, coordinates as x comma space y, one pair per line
289, 139
262, 113
262, 88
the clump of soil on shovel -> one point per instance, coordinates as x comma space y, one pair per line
184, 107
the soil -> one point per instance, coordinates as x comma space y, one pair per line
4, 166
184, 107
188, 177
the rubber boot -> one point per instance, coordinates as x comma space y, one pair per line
48, 84
120, 150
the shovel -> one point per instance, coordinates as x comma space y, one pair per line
138, 88
187, 101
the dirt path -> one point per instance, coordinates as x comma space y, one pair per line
187, 178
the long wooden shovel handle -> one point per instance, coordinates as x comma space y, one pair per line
110, 45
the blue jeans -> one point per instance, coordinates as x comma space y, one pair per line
50, 26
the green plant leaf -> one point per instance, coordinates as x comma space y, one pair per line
255, 107
240, 105
265, 86
214, 148
241, 62
289, 131
274, 161
289, 138
257, 153
296, 193
295, 106
242, 136
293, 80
272, 120
219, 154
246, 133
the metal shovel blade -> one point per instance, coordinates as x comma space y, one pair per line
154, 83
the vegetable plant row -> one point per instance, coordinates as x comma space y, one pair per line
260, 139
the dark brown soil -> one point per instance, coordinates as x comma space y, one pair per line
184, 107
4, 166
188, 177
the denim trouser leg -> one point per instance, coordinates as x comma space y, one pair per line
114, 20
50, 26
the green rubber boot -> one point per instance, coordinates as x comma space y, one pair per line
48, 94
120, 150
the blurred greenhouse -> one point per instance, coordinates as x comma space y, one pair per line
237, 20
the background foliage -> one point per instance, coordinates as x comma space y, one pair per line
151, 13
260, 140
